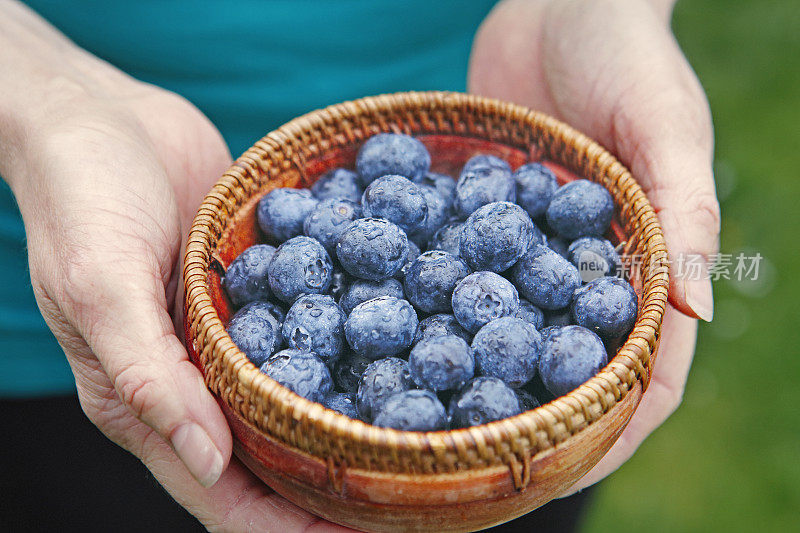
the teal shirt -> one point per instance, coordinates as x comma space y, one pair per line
250, 66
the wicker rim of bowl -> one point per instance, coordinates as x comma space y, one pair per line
332, 437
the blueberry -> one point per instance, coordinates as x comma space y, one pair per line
300, 266
341, 402
392, 153
413, 410
438, 215
441, 363
530, 313
546, 331
607, 306
558, 245
301, 372
508, 348
486, 160
329, 219
380, 380
338, 183
580, 209
269, 309
413, 253
246, 277
481, 401
545, 278
315, 323
348, 371
495, 236
381, 327
447, 238
558, 317
430, 280
482, 183
256, 332
445, 185
536, 185
282, 211
527, 401
594, 258
397, 200
362, 290
438, 325
570, 356
482, 297
372, 248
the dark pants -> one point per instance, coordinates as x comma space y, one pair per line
59, 473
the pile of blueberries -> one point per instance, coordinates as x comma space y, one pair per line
516, 299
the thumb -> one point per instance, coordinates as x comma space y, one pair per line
122, 316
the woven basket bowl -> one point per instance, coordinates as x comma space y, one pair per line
380, 479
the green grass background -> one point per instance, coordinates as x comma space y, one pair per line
729, 459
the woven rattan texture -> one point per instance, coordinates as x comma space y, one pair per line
332, 437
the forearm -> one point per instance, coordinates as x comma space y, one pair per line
42, 73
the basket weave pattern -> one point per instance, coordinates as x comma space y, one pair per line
280, 159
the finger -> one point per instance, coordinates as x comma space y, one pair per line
237, 502
662, 397
121, 313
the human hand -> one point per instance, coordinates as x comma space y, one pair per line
108, 173
612, 69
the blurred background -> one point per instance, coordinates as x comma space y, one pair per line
729, 458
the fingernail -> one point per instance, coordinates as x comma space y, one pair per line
197, 451
700, 298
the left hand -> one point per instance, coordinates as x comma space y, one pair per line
613, 70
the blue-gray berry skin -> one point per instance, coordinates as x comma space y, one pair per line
301, 372
594, 258
527, 401
329, 219
438, 215
486, 160
483, 400
413, 410
607, 306
391, 153
430, 280
282, 211
482, 297
340, 280
315, 323
300, 266
536, 185
570, 356
558, 317
447, 238
413, 253
558, 245
445, 185
342, 402
338, 183
362, 290
545, 278
530, 313
255, 331
372, 248
580, 209
438, 325
495, 236
397, 200
507, 348
480, 184
441, 363
348, 370
246, 278
381, 327
547, 330
380, 380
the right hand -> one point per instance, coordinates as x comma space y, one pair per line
108, 173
